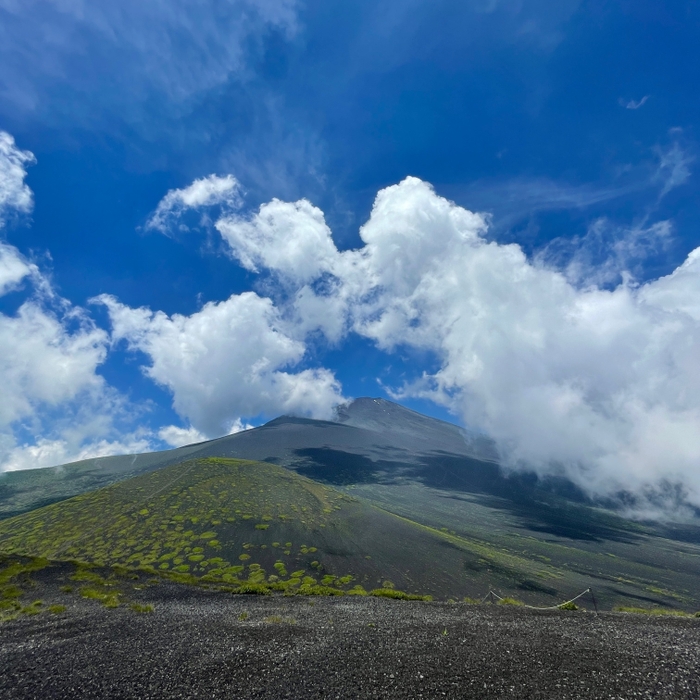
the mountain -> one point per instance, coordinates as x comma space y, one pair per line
535, 537
369, 436
234, 521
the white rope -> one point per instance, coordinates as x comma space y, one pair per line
493, 594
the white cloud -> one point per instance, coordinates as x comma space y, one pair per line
607, 253
140, 52
290, 239
177, 437
673, 169
601, 384
48, 453
238, 426
229, 360
634, 104
15, 195
13, 268
205, 192
43, 362
55, 407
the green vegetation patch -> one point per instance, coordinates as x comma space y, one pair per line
651, 611
398, 595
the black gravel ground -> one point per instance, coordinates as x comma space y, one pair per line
199, 644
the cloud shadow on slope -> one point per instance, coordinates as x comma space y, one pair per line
554, 505
337, 467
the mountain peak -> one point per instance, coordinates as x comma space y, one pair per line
381, 414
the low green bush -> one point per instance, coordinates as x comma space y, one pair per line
252, 589
650, 611
398, 595
139, 608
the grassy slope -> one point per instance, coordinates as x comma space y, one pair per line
233, 520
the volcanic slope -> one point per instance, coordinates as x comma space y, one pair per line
433, 473
369, 437
239, 522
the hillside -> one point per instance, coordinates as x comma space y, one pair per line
405, 474
369, 438
234, 521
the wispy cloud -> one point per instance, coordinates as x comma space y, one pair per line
142, 55
673, 169
633, 104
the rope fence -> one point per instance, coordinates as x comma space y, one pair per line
492, 594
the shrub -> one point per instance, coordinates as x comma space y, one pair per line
92, 593
84, 574
277, 620
57, 609
568, 606
509, 601
10, 592
139, 608
357, 590
252, 589
33, 609
398, 595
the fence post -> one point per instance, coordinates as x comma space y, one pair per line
595, 605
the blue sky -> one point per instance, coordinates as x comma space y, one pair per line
571, 127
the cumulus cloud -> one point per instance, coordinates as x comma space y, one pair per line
55, 406
49, 453
205, 192
288, 238
229, 360
177, 437
593, 377
13, 268
15, 195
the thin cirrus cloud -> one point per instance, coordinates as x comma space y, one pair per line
172, 50
597, 383
634, 104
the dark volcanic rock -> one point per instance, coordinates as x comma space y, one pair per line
199, 644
